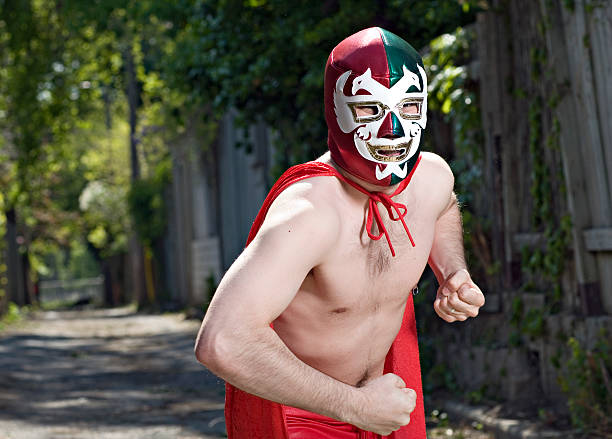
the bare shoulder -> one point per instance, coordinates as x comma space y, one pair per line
297, 234
438, 177
437, 167
305, 216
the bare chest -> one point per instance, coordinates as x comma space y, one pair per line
362, 274
360, 289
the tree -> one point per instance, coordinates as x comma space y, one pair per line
266, 58
42, 97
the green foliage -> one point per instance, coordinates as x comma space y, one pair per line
529, 323
592, 5
81, 264
518, 309
43, 92
103, 201
439, 376
439, 418
544, 266
47, 94
586, 380
13, 315
452, 94
533, 323
548, 263
147, 206
570, 5
63, 155
266, 58
477, 396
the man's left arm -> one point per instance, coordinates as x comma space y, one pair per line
458, 297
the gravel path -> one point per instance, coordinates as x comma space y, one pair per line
106, 374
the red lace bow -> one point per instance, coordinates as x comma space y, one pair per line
396, 211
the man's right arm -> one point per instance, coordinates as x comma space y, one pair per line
236, 342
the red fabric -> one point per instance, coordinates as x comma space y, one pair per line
364, 49
250, 417
302, 424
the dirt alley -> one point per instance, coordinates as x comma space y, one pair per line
106, 374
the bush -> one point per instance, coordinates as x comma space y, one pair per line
586, 382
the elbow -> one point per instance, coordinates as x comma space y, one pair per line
201, 351
212, 350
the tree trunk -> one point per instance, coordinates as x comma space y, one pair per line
135, 247
132, 97
16, 287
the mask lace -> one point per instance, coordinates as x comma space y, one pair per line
397, 211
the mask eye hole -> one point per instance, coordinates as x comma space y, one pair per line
367, 111
410, 108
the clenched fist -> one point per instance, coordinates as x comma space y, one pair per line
386, 405
458, 298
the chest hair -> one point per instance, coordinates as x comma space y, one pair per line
378, 258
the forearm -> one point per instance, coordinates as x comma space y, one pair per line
258, 362
447, 254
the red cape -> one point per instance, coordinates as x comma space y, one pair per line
251, 417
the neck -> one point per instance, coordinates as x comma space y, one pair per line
364, 184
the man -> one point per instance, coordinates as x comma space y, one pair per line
315, 314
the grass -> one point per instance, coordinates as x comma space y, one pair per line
14, 315
440, 426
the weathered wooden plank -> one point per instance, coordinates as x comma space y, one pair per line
242, 189
599, 172
560, 40
528, 240
598, 240
230, 171
490, 84
514, 148
206, 262
599, 40
590, 143
601, 296
183, 221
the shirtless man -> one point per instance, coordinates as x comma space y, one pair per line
319, 272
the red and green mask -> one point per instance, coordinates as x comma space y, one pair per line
375, 106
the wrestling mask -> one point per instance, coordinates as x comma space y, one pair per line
375, 106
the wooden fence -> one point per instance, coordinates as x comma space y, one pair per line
546, 97
544, 70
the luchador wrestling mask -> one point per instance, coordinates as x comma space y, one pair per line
375, 106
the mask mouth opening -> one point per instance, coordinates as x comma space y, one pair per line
390, 153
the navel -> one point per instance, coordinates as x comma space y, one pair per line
339, 310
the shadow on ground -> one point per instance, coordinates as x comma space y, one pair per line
108, 372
